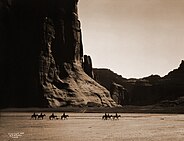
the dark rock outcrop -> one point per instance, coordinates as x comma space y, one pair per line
106, 77
87, 66
42, 56
119, 94
147, 90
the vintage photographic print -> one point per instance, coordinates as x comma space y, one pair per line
92, 70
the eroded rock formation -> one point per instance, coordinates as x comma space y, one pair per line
147, 90
42, 56
87, 66
119, 94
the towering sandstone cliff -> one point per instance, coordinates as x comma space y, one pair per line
42, 56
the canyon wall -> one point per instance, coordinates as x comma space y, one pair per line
42, 56
144, 91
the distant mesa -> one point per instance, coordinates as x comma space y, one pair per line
144, 91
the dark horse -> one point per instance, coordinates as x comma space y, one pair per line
52, 116
41, 116
64, 116
34, 116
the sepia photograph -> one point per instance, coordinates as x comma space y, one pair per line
92, 70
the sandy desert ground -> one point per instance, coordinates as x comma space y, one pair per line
17, 126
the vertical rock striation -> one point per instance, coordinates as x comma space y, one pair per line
87, 66
43, 56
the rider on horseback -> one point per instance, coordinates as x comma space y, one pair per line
64, 116
34, 116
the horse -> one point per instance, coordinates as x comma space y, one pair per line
41, 116
52, 116
116, 116
64, 116
34, 116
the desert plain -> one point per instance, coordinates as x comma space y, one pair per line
18, 126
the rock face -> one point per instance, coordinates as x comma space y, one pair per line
119, 94
42, 56
147, 90
87, 66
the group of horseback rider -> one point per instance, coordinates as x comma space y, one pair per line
51, 117
64, 116
38, 116
113, 117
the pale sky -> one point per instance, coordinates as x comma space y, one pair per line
134, 38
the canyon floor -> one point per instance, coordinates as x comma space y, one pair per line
18, 126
